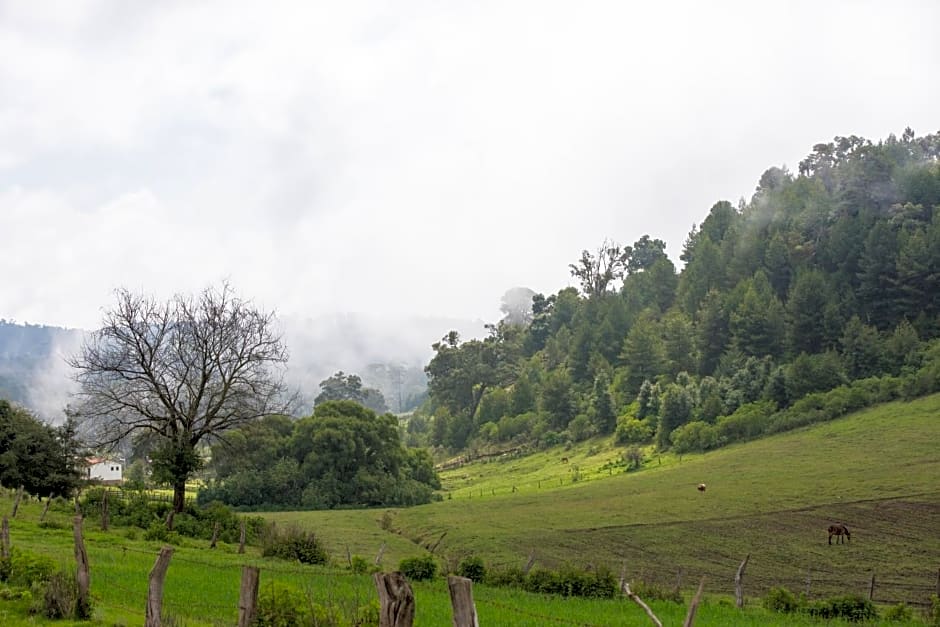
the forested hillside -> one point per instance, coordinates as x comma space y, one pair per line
818, 295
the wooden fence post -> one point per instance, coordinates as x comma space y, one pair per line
104, 510
215, 535
739, 581
461, 599
45, 509
248, 596
82, 575
5, 539
625, 588
242, 537
938, 582
16, 502
378, 558
871, 586
809, 581
693, 606
396, 600
155, 592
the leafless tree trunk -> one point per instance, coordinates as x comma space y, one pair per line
182, 371
396, 600
154, 615
104, 510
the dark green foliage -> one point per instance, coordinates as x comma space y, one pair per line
23, 568
779, 599
850, 607
36, 456
572, 582
823, 278
344, 454
900, 613
652, 592
418, 568
348, 387
57, 598
512, 577
295, 544
472, 567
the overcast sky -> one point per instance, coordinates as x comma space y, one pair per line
409, 156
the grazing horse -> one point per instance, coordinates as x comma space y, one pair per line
701, 487
840, 531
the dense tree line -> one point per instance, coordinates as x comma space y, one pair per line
823, 277
343, 455
41, 458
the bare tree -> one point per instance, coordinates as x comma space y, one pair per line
182, 372
597, 271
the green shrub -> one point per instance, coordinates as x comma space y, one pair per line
851, 607
653, 592
361, 565
933, 613
512, 577
472, 568
280, 606
900, 613
779, 599
23, 569
294, 543
418, 568
57, 597
632, 431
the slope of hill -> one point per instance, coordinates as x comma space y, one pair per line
878, 471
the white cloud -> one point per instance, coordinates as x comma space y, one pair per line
397, 157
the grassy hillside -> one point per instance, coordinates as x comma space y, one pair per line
878, 471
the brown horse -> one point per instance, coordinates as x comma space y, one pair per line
840, 531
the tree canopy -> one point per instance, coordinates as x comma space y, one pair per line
182, 372
821, 278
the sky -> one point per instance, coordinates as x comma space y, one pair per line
407, 157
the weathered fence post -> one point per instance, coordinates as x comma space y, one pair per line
530, 563
82, 576
739, 582
215, 535
5, 539
396, 600
378, 557
104, 510
242, 536
938, 582
809, 580
248, 596
693, 606
625, 588
45, 509
155, 593
871, 586
461, 599
16, 502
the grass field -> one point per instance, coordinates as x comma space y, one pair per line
878, 471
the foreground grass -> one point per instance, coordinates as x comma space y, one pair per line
202, 586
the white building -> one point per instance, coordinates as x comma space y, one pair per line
104, 469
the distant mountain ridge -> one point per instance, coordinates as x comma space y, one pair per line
387, 352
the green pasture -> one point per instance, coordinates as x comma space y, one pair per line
878, 471
202, 587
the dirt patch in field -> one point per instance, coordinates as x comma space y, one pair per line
896, 539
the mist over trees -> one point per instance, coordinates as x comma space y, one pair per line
824, 278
